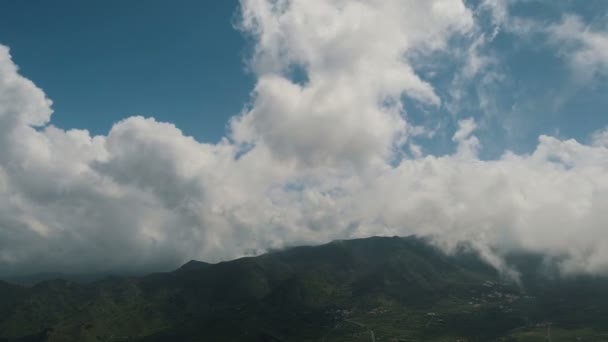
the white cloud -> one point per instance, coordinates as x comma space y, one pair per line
355, 55
306, 163
585, 47
468, 145
22, 102
600, 138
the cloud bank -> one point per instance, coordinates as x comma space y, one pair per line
325, 150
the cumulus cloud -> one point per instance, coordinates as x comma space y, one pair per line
355, 56
313, 158
600, 138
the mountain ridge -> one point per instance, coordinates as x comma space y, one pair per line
399, 287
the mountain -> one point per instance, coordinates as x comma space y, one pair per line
391, 288
32, 279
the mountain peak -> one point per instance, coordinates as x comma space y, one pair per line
193, 265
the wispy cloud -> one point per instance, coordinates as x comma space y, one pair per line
585, 47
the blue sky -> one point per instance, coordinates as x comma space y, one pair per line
184, 63
537, 92
100, 62
463, 121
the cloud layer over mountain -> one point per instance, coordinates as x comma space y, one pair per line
325, 150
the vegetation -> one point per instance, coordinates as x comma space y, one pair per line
394, 289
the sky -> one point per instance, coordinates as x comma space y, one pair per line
139, 135
106, 60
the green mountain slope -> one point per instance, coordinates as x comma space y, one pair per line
394, 288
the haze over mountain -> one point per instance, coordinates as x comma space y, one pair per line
397, 288
379, 117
